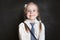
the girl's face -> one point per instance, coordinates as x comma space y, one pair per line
32, 11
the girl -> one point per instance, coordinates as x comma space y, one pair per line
32, 28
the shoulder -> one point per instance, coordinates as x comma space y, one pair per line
21, 25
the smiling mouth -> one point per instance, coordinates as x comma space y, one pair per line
31, 15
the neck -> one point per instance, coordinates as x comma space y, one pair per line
32, 21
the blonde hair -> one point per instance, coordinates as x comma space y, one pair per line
25, 9
39, 17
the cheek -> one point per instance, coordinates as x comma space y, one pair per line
27, 15
36, 14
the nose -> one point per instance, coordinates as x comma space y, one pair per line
31, 12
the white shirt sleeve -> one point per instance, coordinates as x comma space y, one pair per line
42, 33
21, 32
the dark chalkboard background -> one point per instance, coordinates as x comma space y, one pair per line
10, 17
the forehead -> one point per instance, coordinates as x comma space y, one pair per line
32, 6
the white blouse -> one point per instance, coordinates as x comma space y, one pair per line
23, 35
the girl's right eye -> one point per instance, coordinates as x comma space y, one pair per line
28, 10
